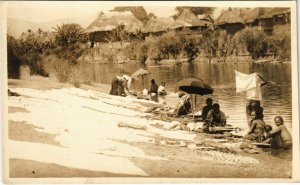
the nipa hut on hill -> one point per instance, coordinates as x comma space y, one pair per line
159, 26
194, 22
101, 28
266, 18
232, 19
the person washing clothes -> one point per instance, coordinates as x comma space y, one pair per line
153, 91
120, 85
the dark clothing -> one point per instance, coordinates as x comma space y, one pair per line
153, 89
277, 142
184, 107
216, 119
117, 87
257, 130
281, 138
114, 87
205, 111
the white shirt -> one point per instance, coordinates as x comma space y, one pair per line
128, 79
160, 89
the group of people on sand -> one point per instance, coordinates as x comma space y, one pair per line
156, 91
212, 115
258, 131
279, 137
121, 86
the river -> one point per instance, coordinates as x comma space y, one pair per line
277, 99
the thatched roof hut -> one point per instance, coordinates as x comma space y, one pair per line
255, 14
232, 20
232, 16
205, 17
266, 18
109, 21
264, 13
156, 25
273, 12
190, 18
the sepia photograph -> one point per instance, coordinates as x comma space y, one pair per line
149, 92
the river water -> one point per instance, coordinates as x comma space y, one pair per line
277, 99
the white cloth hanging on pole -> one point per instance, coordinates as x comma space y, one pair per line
249, 83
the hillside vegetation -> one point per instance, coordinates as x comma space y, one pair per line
64, 51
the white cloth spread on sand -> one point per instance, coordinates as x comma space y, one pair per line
249, 83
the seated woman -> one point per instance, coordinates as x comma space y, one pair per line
254, 105
257, 129
184, 106
215, 117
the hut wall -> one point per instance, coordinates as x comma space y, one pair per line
265, 24
282, 19
99, 36
232, 28
154, 34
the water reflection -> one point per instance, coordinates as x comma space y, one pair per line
277, 99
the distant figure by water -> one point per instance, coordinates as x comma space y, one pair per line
153, 91
161, 89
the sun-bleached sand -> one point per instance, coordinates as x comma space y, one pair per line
77, 130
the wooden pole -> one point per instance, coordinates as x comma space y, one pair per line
143, 81
193, 106
195, 100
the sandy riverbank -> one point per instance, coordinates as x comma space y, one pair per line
56, 130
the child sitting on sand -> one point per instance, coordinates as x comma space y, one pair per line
281, 137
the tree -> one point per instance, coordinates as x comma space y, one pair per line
191, 51
69, 35
255, 42
119, 34
210, 44
13, 61
70, 38
191, 47
171, 45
